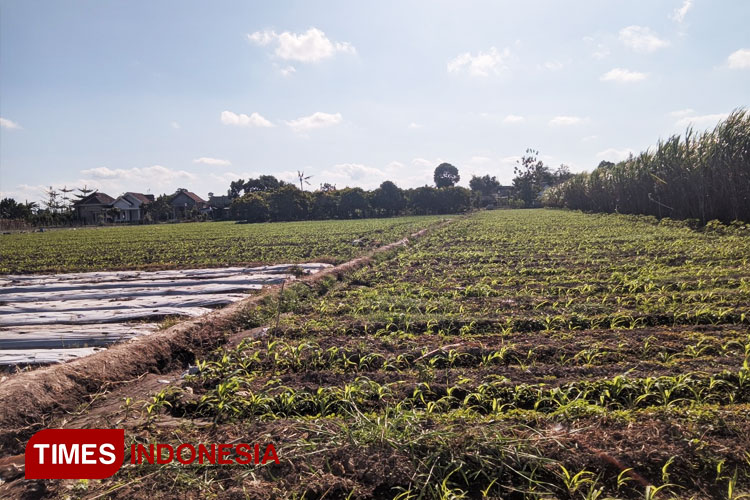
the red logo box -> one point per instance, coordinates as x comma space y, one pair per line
74, 453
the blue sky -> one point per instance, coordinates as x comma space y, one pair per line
151, 96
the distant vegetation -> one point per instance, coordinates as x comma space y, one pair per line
703, 176
288, 203
269, 199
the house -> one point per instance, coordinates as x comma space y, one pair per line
498, 198
219, 201
93, 208
504, 194
132, 206
183, 202
219, 205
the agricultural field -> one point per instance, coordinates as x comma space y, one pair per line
199, 244
511, 354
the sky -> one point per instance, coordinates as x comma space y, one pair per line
151, 96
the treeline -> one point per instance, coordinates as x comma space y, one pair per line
17, 215
703, 176
267, 199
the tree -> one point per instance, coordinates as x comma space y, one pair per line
11, 209
429, 200
452, 200
325, 204
532, 177
83, 192
484, 185
159, 210
446, 175
388, 198
484, 189
264, 183
114, 214
288, 203
422, 200
251, 207
235, 187
52, 203
353, 203
65, 199
562, 174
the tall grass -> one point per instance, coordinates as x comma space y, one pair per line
701, 176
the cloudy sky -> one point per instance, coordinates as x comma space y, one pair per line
151, 96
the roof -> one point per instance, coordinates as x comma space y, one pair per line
96, 198
141, 197
192, 196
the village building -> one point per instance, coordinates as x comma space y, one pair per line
93, 208
131, 206
219, 205
184, 202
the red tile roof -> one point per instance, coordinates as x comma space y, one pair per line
193, 196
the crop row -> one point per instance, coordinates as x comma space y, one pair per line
206, 244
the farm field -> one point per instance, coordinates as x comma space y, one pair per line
508, 354
198, 244
62, 316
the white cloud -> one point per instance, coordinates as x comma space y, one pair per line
623, 76
641, 39
288, 70
174, 125
223, 179
262, 37
739, 59
614, 155
315, 120
600, 51
482, 64
353, 175
563, 121
589, 138
480, 160
513, 119
680, 12
153, 179
424, 163
419, 173
311, 46
510, 160
682, 112
9, 124
553, 66
115, 181
25, 192
243, 120
414, 125
701, 121
356, 171
212, 161
158, 173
